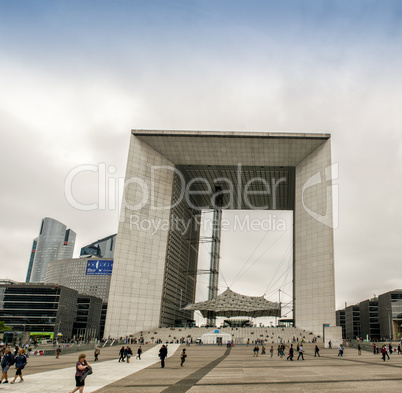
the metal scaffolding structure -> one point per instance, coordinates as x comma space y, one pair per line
215, 252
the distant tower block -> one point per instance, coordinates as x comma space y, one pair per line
171, 177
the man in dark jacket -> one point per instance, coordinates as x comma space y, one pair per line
122, 354
291, 353
6, 362
162, 355
20, 362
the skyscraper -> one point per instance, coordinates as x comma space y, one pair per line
31, 259
54, 242
102, 248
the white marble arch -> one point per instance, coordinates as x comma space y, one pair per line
138, 280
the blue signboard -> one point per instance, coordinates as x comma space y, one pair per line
99, 268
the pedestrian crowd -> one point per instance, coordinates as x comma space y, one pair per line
18, 357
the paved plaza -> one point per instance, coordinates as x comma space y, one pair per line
213, 369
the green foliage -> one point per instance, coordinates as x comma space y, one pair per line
4, 327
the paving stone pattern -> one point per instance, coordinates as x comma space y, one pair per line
213, 369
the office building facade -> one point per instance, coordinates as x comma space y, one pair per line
340, 321
352, 322
38, 308
54, 242
103, 248
379, 318
369, 319
390, 314
89, 275
88, 317
49, 308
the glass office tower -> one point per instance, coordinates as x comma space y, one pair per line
54, 242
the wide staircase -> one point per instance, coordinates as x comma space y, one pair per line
268, 335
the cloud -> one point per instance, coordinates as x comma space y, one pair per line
70, 96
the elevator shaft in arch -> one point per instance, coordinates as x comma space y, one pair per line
215, 252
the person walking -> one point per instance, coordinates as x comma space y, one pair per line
20, 363
255, 351
340, 350
359, 349
128, 352
183, 357
6, 363
263, 350
384, 352
316, 351
82, 368
271, 351
300, 352
139, 352
58, 352
122, 354
291, 353
96, 353
162, 355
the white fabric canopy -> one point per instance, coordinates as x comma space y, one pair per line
210, 338
232, 304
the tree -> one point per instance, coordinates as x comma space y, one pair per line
4, 327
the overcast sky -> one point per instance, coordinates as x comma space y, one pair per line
77, 76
